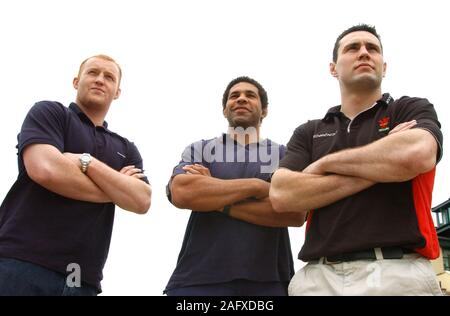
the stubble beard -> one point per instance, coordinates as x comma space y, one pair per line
243, 123
366, 83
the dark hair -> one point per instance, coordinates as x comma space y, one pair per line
360, 27
261, 91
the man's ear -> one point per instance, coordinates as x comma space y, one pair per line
119, 91
264, 112
75, 83
384, 69
333, 71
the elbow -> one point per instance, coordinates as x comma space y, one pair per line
419, 161
421, 157
180, 196
420, 167
143, 205
276, 195
425, 160
277, 200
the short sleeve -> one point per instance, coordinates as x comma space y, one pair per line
424, 113
298, 153
192, 154
44, 124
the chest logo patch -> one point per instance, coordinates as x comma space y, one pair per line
324, 135
383, 124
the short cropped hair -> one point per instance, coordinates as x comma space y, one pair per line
355, 28
261, 91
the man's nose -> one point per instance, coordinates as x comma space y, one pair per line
242, 98
363, 52
100, 79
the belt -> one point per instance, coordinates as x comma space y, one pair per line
369, 254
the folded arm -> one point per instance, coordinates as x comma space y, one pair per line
60, 173
47, 166
198, 191
124, 187
395, 158
261, 212
301, 192
342, 174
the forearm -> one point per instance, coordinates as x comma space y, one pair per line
200, 193
127, 192
301, 192
394, 158
261, 212
48, 167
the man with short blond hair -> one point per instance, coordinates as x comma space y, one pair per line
57, 219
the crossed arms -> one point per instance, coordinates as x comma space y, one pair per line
60, 173
249, 198
400, 156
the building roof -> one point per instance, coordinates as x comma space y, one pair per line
436, 208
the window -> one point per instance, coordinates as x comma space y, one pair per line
446, 216
439, 218
446, 258
443, 216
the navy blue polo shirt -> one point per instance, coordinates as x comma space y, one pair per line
218, 248
383, 215
42, 227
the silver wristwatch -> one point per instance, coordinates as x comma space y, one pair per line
85, 160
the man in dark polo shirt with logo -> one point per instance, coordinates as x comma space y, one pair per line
364, 173
57, 219
235, 244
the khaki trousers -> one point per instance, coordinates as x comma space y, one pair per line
411, 275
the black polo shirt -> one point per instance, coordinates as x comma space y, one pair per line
218, 248
386, 214
45, 228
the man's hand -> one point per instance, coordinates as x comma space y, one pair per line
197, 169
403, 127
132, 171
315, 167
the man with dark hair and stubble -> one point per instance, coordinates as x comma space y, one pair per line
56, 221
364, 174
235, 244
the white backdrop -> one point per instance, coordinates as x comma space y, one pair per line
177, 58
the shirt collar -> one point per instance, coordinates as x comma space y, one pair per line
75, 108
386, 99
225, 136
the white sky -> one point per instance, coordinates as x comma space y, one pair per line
177, 58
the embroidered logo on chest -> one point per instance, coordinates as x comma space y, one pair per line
383, 124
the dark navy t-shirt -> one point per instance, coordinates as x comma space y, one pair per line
218, 248
42, 227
